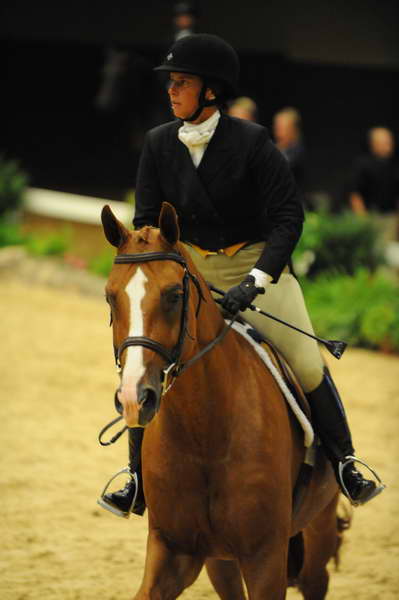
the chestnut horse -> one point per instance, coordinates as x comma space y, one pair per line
221, 452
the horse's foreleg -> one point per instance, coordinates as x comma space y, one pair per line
226, 578
265, 572
166, 574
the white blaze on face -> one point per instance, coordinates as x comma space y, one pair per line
134, 364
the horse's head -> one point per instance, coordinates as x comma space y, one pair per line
153, 310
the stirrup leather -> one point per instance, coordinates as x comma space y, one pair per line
341, 467
116, 511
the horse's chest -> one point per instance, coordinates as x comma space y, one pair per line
186, 517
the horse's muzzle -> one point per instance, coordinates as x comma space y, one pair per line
149, 399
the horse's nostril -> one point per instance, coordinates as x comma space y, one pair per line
147, 396
148, 401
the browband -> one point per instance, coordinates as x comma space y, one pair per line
124, 259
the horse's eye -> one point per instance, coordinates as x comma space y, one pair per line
171, 298
174, 297
110, 299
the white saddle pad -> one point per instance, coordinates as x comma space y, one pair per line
296, 409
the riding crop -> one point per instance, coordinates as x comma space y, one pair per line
336, 347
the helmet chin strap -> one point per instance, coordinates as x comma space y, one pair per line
202, 103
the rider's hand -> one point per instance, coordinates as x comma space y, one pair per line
241, 296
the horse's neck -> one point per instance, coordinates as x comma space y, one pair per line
202, 406
201, 400
209, 324
210, 321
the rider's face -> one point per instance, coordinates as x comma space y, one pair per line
183, 90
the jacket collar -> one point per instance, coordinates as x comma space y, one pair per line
217, 154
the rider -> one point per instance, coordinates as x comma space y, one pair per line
240, 218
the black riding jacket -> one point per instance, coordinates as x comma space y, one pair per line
241, 191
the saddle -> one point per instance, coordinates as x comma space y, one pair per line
284, 369
292, 384
282, 372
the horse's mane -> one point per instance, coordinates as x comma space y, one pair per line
150, 234
143, 235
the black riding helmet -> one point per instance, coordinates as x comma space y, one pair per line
209, 57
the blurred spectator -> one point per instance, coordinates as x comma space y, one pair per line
243, 108
125, 114
111, 91
124, 76
185, 17
287, 131
375, 181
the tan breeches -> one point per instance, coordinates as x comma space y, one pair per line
283, 300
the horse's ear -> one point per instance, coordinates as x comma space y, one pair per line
168, 224
115, 232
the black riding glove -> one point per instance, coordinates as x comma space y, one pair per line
241, 296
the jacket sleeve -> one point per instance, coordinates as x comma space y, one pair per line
149, 195
283, 215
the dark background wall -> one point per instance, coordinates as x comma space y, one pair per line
338, 62
339, 31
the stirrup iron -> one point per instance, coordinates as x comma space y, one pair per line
341, 467
113, 509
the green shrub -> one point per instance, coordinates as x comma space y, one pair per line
13, 182
362, 310
10, 234
341, 243
52, 244
101, 264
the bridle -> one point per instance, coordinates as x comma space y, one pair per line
173, 357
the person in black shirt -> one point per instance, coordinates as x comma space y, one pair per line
287, 131
375, 180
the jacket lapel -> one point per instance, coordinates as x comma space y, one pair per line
192, 192
194, 183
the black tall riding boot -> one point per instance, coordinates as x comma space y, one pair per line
131, 497
331, 425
